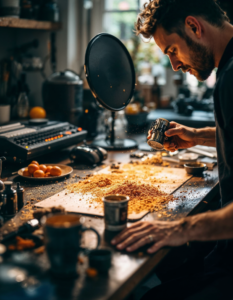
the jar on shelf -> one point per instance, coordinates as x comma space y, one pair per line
10, 8
50, 11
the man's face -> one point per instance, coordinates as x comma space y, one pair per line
186, 54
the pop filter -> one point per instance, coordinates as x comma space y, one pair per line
110, 74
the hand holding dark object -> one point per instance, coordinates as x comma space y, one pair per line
143, 233
181, 137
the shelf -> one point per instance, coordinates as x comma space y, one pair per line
29, 24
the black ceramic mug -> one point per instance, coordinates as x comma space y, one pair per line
63, 234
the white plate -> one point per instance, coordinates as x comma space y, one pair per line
65, 170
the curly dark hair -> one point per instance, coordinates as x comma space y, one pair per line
171, 15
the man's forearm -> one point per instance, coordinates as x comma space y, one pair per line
210, 226
206, 136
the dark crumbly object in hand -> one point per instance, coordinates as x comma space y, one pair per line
153, 124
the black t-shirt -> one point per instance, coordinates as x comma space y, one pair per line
223, 103
222, 257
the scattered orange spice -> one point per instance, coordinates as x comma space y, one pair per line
22, 244
91, 272
80, 260
136, 180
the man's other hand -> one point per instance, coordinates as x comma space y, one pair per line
157, 233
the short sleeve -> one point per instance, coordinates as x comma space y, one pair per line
225, 95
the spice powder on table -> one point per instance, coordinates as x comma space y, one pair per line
132, 182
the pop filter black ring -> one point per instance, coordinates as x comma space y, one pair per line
87, 72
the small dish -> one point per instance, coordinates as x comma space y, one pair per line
195, 168
187, 158
66, 170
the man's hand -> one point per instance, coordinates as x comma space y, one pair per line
209, 226
159, 233
182, 137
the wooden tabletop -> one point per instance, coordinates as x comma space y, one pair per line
127, 270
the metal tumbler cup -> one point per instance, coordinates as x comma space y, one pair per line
115, 212
157, 136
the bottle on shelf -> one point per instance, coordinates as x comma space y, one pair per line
23, 101
20, 195
23, 105
9, 200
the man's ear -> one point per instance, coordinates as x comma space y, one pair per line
193, 26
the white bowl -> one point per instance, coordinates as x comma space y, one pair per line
187, 158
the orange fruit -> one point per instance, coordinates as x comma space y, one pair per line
43, 168
34, 163
37, 112
91, 272
26, 173
55, 171
132, 109
32, 168
38, 173
47, 174
48, 169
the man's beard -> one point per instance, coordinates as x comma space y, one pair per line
202, 60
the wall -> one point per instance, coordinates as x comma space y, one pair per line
66, 42
94, 26
8, 41
34, 79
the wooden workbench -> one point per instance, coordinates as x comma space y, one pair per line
128, 270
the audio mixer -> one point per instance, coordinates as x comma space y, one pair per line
23, 141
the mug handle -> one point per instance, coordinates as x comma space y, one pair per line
206, 168
96, 232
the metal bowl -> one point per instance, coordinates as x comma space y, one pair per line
195, 168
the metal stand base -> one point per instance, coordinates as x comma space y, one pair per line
125, 144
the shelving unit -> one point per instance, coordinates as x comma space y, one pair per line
29, 24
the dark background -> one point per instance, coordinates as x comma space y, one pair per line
227, 5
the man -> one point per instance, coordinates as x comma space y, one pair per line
197, 37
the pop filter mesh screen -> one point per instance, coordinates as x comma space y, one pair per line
110, 72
